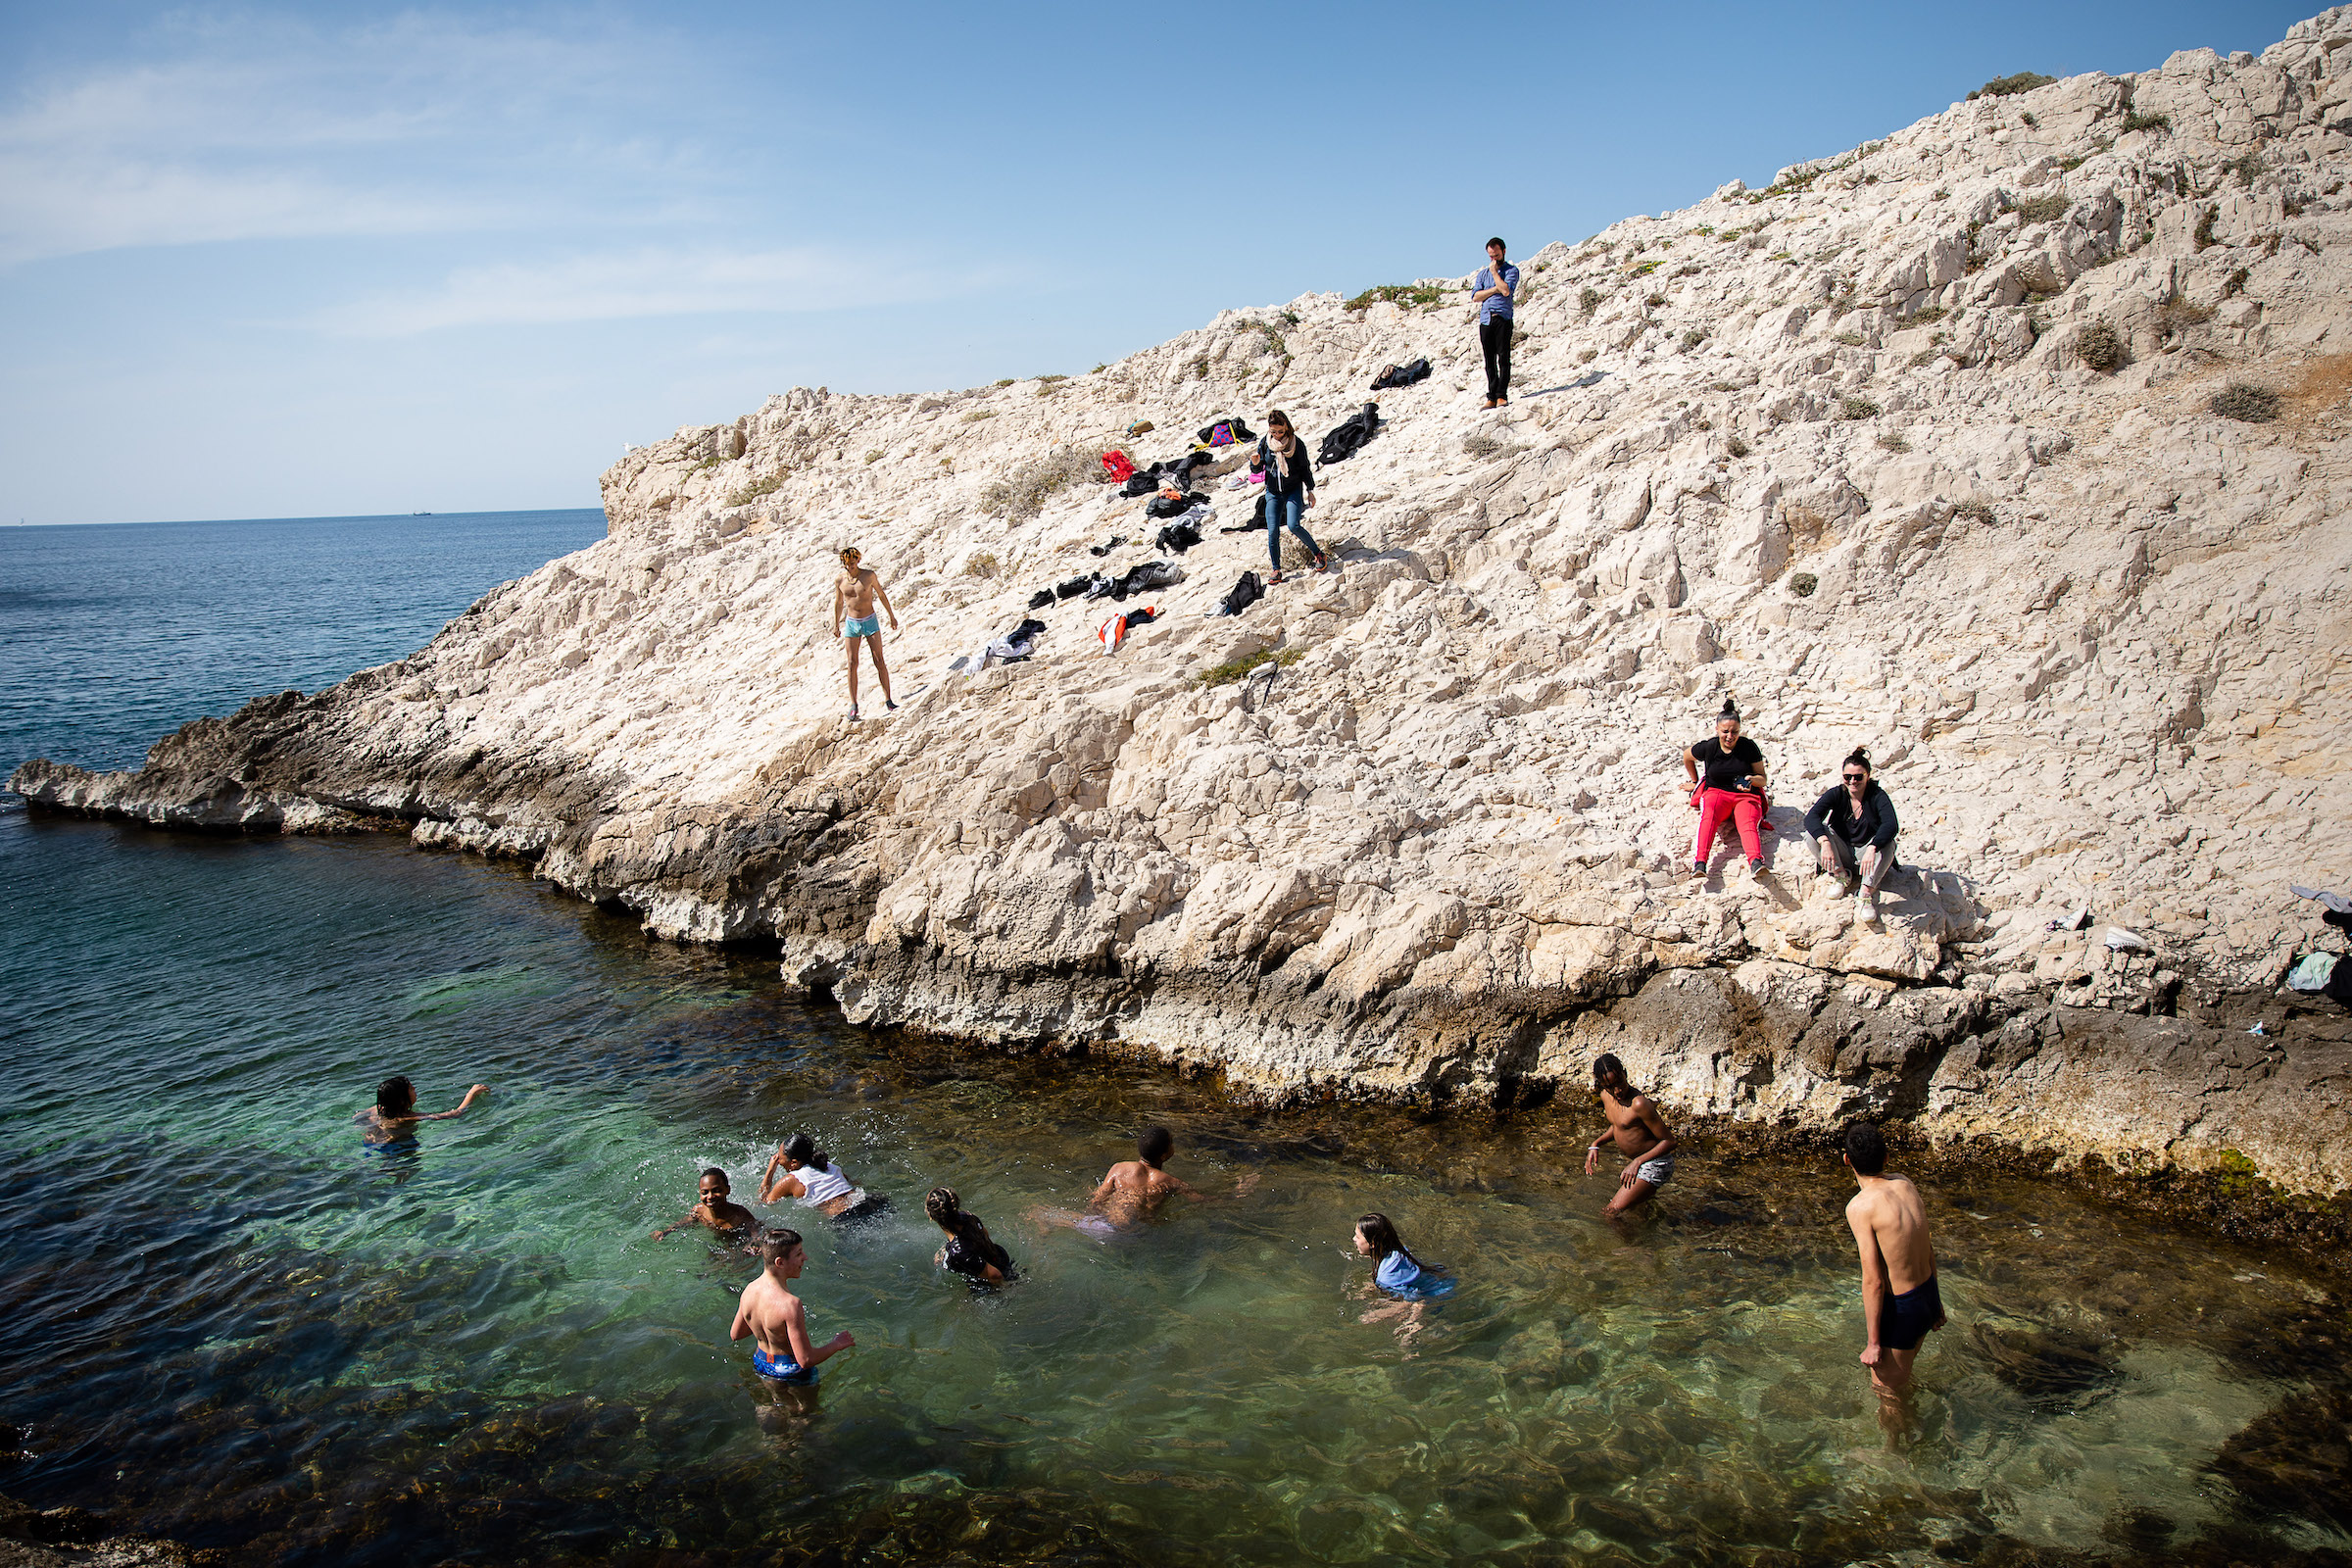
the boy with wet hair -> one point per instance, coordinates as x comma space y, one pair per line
712, 1207
1639, 1130
777, 1321
1900, 1301
1134, 1189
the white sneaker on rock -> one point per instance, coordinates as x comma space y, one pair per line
1865, 910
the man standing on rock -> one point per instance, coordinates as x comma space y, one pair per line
1493, 290
1900, 1301
854, 592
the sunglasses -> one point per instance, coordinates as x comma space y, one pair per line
1855, 778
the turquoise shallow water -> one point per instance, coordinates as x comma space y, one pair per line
226, 1319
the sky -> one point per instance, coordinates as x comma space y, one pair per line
349, 259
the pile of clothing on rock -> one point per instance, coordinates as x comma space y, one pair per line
1399, 375
1136, 580
1112, 633
1348, 438
1013, 648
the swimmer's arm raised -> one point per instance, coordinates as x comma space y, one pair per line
472, 1095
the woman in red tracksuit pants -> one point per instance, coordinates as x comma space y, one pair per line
1727, 782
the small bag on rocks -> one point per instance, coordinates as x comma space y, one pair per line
1247, 591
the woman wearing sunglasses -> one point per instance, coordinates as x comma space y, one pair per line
1852, 827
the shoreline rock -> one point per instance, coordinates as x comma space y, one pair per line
1917, 449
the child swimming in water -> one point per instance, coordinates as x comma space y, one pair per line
394, 1116
816, 1181
1398, 1272
1133, 1190
736, 1225
777, 1322
970, 1252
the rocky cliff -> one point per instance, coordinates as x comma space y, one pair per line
2009, 446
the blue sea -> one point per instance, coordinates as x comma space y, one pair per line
229, 1321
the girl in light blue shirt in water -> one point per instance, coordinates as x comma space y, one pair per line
1399, 1272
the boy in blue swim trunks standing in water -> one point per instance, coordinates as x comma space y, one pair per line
855, 594
777, 1322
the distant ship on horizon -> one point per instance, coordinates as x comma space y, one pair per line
420, 514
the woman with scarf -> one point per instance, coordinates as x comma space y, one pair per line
1290, 490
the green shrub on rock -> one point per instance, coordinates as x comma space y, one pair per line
2010, 85
2252, 405
2099, 346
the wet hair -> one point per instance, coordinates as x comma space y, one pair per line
801, 1148
396, 1095
947, 1212
1498, 240
1865, 1147
710, 1171
1156, 1145
1277, 416
1381, 1232
851, 550
1857, 758
1609, 1076
777, 1245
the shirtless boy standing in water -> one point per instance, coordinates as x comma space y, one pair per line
1641, 1133
855, 593
777, 1322
1900, 1304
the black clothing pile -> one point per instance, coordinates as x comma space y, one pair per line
1162, 508
1071, 589
1177, 538
1042, 599
1257, 518
1141, 482
1135, 580
1348, 439
1105, 549
1247, 591
1401, 375
1019, 643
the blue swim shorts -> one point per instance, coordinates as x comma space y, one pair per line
782, 1371
862, 627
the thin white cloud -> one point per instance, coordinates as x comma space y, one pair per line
263, 128
649, 284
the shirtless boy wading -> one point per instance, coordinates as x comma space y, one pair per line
777, 1321
1640, 1134
1900, 1301
855, 594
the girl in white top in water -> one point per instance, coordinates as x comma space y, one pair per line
810, 1177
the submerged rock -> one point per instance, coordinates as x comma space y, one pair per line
1851, 464
2296, 1459
2049, 1366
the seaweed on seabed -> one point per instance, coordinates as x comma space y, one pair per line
2052, 1367
2295, 1458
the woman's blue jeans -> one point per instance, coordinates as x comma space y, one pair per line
1288, 511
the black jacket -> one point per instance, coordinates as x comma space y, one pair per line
1303, 473
1834, 813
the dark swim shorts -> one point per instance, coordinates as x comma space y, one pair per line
1904, 1320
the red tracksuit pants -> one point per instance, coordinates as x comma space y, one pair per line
1718, 807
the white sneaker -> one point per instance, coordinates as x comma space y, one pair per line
1865, 910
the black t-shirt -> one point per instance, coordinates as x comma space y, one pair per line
1719, 771
974, 1261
